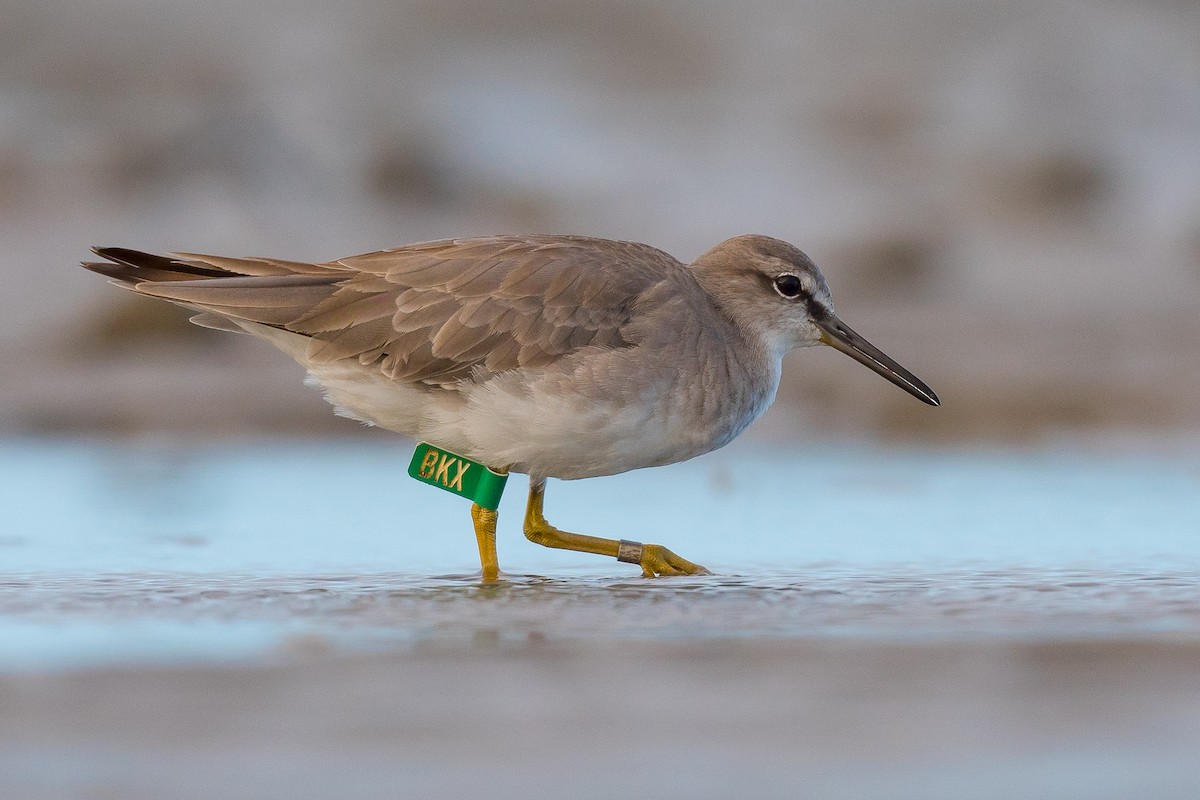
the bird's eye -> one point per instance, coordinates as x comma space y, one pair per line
788, 285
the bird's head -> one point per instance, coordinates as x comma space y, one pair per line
772, 289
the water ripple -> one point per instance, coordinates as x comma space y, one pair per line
369, 611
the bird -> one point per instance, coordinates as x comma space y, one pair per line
552, 356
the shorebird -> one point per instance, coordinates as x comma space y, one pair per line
553, 356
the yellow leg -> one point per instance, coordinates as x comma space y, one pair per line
654, 559
485, 533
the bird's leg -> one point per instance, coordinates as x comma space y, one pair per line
654, 559
485, 533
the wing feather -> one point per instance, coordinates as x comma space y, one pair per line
352, 342
434, 312
345, 308
454, 339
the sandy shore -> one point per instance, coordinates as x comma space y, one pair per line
181, 623
1006, 200
1054, 719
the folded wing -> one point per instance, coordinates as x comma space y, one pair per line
435, 312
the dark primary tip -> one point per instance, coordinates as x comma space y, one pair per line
119, 255
126, 256
114, 253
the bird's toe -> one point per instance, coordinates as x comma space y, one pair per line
658, 561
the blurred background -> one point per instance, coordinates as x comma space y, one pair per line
1004, 196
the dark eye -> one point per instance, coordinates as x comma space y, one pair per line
788, 285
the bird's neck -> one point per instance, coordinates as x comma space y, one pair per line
748, 375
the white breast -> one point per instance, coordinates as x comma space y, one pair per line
595, 413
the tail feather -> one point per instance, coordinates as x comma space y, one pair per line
226, 291
133, 266
207, 319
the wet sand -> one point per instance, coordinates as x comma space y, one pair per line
968, 684
1113, 718
193, 622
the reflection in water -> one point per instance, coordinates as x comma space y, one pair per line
187, 612
882, 625
178, 553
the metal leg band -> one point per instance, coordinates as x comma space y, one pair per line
629, 552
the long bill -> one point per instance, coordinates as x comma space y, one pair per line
841, 336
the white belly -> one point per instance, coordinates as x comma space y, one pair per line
598, 413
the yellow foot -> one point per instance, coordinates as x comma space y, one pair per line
654, 559
658, 560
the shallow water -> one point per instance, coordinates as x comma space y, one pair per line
303, 621
130, 553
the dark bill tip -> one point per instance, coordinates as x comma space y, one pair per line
843, 338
